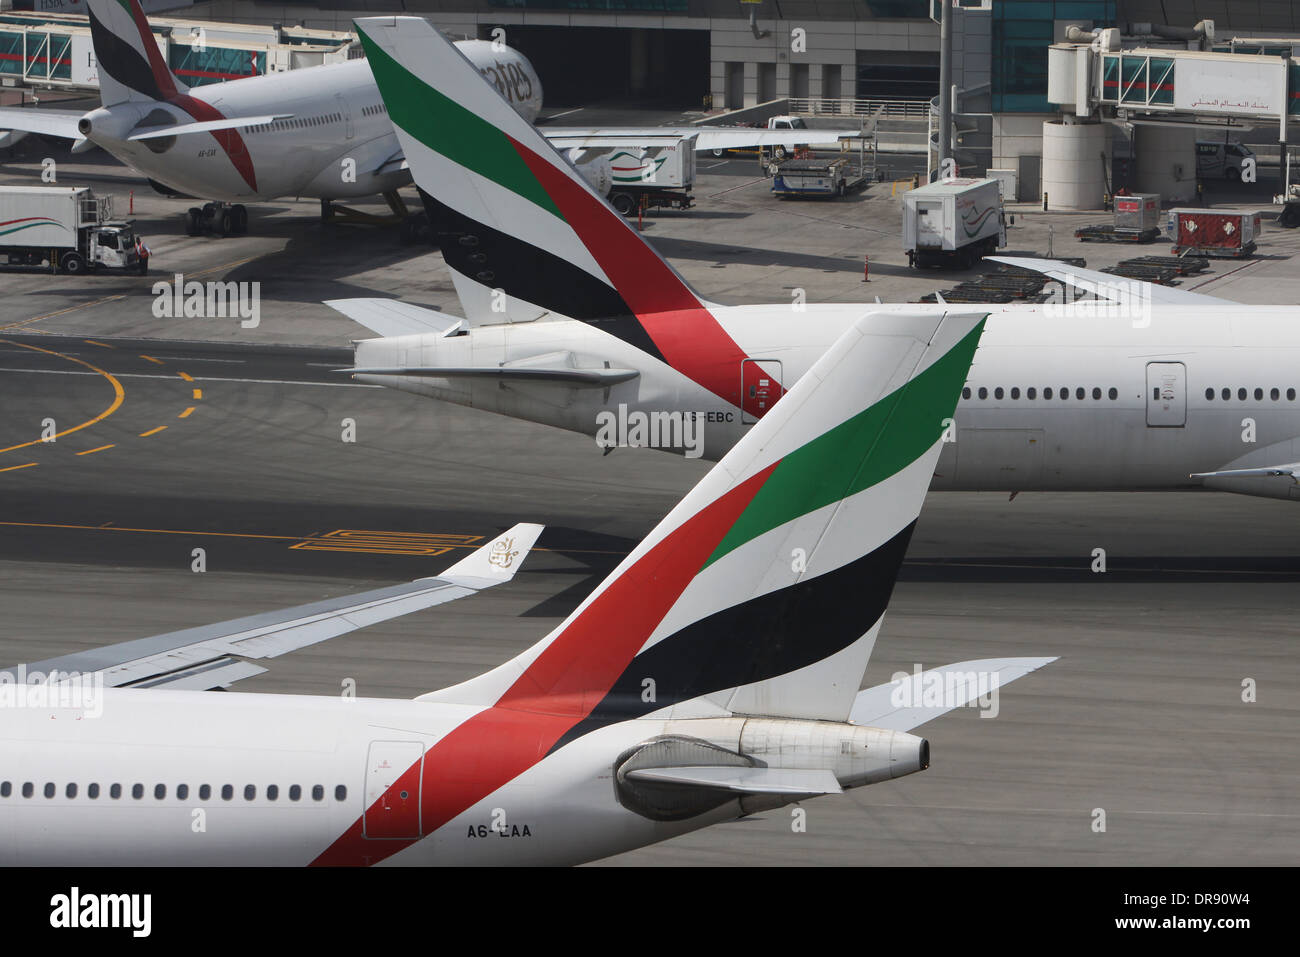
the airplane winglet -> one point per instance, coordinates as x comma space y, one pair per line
497, 561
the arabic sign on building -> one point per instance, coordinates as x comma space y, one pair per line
1240, 86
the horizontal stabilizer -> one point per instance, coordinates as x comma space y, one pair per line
206, 126
44, 122
918, 698
744, 780
392, 317
592, 378
1109, 286
1292, 471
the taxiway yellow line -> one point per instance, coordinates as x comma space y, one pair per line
62, 312
111, 445
145, 435
119, 394
186, 413
14, 468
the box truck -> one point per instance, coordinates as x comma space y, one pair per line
953, 223
66, 228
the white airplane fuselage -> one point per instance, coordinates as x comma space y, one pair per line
1158, 428
336, 145
186, 778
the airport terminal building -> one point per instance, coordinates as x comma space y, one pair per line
864, 59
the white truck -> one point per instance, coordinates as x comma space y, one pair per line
645, 177
67, 229
953, 223
1223, 160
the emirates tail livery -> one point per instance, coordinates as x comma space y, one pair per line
572, 320
318, 132
713, 674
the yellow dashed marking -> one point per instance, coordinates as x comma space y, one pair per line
14, 467
186, 376
119, 394
186, 413
198, 393
100, 449
92, 342
145, 435
386, 543
152, 359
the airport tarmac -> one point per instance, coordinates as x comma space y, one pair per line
188, 434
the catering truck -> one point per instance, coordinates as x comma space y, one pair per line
953, 223
646, 177
67, 228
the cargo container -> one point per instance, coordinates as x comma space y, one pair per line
1204, 232
953, 223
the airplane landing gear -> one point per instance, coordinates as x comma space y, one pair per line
224, 219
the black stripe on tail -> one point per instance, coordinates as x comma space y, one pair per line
121, 61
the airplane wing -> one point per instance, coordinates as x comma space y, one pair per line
904, 705
569, 375
207, 126
1114, 286
706, 137
392, 317
44, 122
215, 656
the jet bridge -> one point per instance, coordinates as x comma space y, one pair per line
1169, 98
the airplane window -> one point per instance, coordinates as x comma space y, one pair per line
1241, 395
1047, 393
250, 792
205, 791
1274, 394
1096, 392
965, 393
1031, 393
71, 790
49, 789
92, 791
340, 792
997, 393
27, 789
317, 793
137, 791
227, 792
6, 789
159, 791
1290, 395
272, 792
1015, 392
1155, 393
1227, 394
295, 792
983, 393
115, 791
1079, 393
1065, 392
1259, 394
182, 791
1209, 394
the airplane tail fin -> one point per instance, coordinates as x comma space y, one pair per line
131, 66
762, 592
522, 231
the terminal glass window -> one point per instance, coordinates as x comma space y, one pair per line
1022, 32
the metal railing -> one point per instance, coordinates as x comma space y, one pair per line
901, 107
